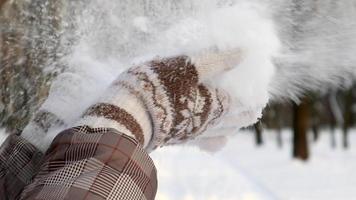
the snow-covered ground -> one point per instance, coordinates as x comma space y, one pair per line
241, 171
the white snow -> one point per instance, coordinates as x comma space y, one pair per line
225, 28
241, 171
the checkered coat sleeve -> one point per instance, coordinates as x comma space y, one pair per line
81, 163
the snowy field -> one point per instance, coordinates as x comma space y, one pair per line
242, 171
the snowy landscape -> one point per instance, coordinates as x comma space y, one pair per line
243, 172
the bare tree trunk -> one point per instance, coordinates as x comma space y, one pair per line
336, 117
279, 138
300, 126
279, 125
333, 136
2, 3
348, 118
315, 117
12, 75
315, 129
258, 133
28, 42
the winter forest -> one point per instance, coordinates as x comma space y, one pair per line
299, 76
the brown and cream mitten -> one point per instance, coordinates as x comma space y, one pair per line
165, 101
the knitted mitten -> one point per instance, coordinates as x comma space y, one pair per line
164, 101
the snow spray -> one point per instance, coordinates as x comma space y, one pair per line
289, 47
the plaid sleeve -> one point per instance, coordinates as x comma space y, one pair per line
19, 161
96, 164
82, 163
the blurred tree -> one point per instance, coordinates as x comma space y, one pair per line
336, 117
315, 108
272, 119
348, 116
258, 133
300, 129
1, 3
28, 43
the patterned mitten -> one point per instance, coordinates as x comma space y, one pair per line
164, 101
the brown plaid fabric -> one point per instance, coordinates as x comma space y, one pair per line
19, 161
81, 163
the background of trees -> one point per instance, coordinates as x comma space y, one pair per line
333, 110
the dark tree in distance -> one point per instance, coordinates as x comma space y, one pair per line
300, 129
258, 133
348, 116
